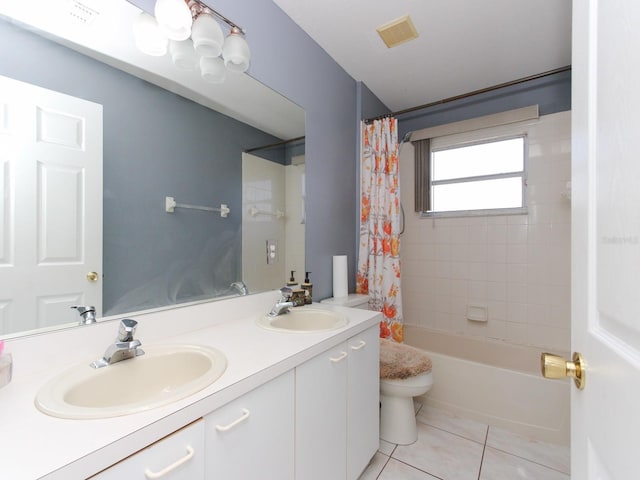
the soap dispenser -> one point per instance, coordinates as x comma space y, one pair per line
307, 286
291, 283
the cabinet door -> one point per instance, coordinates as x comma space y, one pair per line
363, 400
321, 416
180, 456
253, 436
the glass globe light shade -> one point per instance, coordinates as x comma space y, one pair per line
212, 69
183, 54
148, 36
174, 18
235, 52
207, 36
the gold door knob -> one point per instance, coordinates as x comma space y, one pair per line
554, 366
93, 276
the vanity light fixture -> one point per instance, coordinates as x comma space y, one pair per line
174, 18
194, 39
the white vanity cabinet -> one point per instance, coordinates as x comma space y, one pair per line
179, 456
337, 410
253, 436
363, 400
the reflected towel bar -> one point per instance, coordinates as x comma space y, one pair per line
170, 205
253, 211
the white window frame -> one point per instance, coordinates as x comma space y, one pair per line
479, 136
437, 147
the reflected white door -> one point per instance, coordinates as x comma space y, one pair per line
50, 206
606, 238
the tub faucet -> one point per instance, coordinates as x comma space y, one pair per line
123, 348
87, 313
283, 305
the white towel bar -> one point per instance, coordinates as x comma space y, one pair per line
170, 205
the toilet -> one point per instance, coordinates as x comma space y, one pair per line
405, 372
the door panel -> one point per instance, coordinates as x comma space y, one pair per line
50, 205
606, 238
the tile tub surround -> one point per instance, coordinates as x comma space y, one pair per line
516, 266
35, 445
451, 447
495, 382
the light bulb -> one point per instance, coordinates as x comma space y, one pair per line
207, 36
148, 36
183, 54
235, 52
212, 69
174, 18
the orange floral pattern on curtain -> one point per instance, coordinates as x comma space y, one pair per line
379, 253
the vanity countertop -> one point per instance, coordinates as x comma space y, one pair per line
35, 445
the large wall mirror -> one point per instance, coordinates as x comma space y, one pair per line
164, 133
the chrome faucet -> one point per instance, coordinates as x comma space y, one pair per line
283, 305
241, 287
123, 348
87, 313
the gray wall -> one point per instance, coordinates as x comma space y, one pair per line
156, 144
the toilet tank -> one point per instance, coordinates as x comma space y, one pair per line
353, 300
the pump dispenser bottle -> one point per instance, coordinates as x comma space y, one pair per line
291, 283
307, 286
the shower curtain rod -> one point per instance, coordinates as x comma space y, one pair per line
471, 94
277, 144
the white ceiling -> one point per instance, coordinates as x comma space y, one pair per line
464, 45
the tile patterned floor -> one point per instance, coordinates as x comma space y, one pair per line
454, 448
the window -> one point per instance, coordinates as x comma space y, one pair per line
487, 176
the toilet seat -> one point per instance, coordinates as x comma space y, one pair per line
398, 360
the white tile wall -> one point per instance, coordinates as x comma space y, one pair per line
271, 187
263, 187
518, 267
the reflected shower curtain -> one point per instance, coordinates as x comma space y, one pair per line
379, 253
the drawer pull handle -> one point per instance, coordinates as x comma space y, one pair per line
339, 358
359, 346
152, 475
242, 418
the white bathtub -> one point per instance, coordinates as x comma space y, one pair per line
497, 383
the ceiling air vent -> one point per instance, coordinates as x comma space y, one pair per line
397, 31
81, 13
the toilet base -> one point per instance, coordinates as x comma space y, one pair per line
397, 420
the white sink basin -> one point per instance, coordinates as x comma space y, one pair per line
304, 320
164, 374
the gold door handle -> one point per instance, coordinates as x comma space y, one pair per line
93, 276
554, 366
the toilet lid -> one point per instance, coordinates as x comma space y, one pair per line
398, 361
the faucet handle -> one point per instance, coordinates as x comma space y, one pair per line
285, 294
126, 329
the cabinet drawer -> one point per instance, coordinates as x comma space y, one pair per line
179, 456
253, 436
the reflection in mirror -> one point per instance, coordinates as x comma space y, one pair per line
273, 212
185, 140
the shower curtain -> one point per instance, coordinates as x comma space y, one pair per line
379, 253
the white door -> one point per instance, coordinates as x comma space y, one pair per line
50, 206
606, 238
